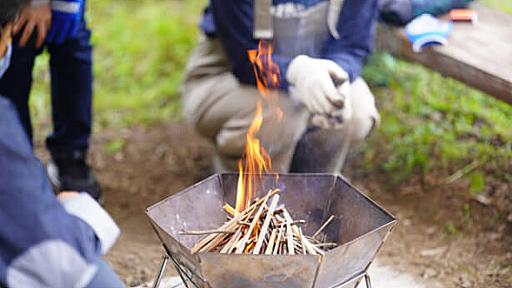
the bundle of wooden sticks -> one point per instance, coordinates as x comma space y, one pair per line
265, 227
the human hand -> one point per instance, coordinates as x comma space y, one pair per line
337, 118
36, 16
5, 39
66, 20
312, 82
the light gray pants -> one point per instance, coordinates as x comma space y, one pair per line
221, 109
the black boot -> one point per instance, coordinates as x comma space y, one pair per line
70, 172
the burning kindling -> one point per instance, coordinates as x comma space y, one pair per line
260, 226
264, 227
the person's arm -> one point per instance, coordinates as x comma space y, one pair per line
356, 27
42, 241
234, 28
233, 22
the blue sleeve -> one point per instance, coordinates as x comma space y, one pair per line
234, 28
356, 27
29, 211
233, 25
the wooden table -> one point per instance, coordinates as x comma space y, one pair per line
479, 55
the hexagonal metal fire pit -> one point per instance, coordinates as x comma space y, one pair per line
360, 228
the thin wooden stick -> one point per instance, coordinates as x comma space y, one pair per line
271, 242
296, 222
326, 245
266, 222
229, 209
231, 241
278, 241
214, 243
289, 236
203, 232
232, 245
323, 226
301, 236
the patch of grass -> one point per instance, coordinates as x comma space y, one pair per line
114, 146
468, 214
503, 5
476, 183
451, 229
140, 50
431, 122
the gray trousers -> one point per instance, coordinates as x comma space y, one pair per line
222, 109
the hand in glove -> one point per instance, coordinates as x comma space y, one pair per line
88, 210
334, 120
66, 15
324, 88
312, 82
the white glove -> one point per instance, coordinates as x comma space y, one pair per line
336, 119
84, 207
312, 83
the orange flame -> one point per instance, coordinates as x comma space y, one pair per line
257, 160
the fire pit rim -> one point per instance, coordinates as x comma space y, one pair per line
218, 176
182, 191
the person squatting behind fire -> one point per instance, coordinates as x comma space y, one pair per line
44, 242
317, 44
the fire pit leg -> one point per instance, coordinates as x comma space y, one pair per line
161, 273
185, 277
367, 280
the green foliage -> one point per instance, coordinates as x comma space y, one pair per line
140, 51
431, 122
476, 183
140, 56
468, 214
451, 229
503, 5
114, 146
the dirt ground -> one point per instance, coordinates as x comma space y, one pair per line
443, 236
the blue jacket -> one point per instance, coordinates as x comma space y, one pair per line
43, 243
232, 22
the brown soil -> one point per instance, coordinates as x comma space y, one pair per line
443, 235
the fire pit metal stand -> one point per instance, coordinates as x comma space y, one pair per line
360, 229
185, 278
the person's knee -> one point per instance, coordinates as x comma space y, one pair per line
365, 116
278, 136
362, 126
203, 102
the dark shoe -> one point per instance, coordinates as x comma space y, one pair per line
71, 173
